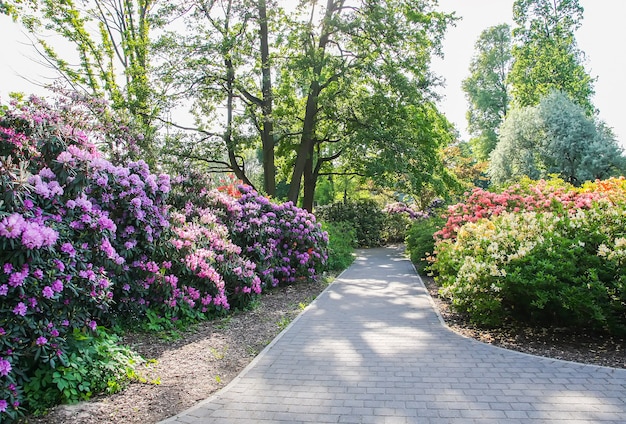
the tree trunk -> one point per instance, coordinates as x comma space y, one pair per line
310, 181
305, 150
267, 135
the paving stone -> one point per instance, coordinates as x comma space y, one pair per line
371, 349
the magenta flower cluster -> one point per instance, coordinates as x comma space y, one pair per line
284, 241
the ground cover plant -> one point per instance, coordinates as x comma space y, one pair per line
86, 243
542, 253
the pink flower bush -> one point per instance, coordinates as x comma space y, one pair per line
542, 196
284, 241
221, 277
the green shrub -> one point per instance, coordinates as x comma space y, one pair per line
96, 364
420, 243
553, 268
395, 228
341, 244
365, 215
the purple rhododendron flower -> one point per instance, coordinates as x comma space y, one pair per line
60, 265
49, 235
92, 324
5, 367
106, 224
17, 278
64, 157
4, 289
3, 405
32, 237
69, 249
20, 309
47, 292
57, 286
12, 226
108, 249
41, 341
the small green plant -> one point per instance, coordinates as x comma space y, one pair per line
218, 354
306, 302
283, 323
252, 351
95, 363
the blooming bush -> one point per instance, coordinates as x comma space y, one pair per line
55, 249
136, 202
561, 266
212, 271
526, 196
84, 242
284, 241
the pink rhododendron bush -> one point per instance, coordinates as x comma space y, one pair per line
542, 253
284, 241
86, 244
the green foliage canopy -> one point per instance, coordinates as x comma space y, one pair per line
546, 56
486, 89
555, 137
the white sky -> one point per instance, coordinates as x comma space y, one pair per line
602, 37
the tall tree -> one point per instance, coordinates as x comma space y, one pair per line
486, 88
266, 102
546, 56
555, 137
112, 41
222, 63
294, 86
346, 51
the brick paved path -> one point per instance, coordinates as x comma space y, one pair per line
371, 349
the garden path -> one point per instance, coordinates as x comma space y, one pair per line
372, 349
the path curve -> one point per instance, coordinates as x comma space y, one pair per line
372, 349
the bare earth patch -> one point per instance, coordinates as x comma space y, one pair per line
207, 358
